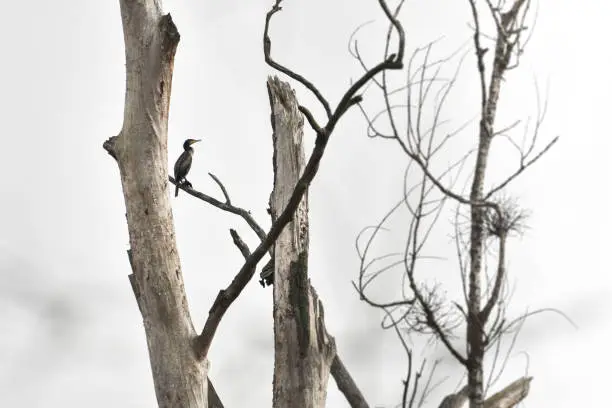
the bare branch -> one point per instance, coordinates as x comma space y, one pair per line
227, 296
223, 301
540, 311
246, 215
355, 53
349, 99
347, 385
228, 201
511, 395
428, 387
521, 169
268, 49
311, 120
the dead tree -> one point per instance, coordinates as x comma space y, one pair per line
305, 354
140, 149
491, 217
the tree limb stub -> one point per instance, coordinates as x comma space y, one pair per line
303, 349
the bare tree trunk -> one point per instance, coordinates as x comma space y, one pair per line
303, 349
141, 152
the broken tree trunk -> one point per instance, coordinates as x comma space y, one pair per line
303, 349
508, 397
140, 149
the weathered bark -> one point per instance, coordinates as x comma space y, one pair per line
510, 396
141, 152
303, 349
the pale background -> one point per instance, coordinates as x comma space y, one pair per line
70, 331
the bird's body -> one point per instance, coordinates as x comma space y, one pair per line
183, 164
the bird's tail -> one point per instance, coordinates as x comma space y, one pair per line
177, 189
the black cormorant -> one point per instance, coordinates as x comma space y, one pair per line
183, 164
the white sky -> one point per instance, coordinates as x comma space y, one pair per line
71, 331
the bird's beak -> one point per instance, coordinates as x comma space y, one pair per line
196, 141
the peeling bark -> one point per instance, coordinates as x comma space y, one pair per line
303, 349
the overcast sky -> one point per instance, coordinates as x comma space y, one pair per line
70, 330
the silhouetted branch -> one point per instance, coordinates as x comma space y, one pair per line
227, 206
349, 99
267, 55
394, 61
224, 299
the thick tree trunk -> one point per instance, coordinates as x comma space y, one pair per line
141, 152
303, 349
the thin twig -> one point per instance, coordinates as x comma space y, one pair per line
228, 201
267, 51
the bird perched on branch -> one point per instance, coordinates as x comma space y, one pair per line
183, 164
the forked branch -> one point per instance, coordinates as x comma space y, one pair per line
323, 134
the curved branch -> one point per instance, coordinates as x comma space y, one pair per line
223, 301
268, 58
349, 99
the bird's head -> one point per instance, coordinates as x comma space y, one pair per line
189, 142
